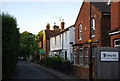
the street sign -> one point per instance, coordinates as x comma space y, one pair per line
109, 56
41, 51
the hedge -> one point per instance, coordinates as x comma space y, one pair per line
10, 45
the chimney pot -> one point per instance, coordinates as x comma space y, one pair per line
55, 28
48, 26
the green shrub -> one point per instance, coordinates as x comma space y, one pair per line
51, 61
56, 62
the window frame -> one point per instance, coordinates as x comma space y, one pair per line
75, 56
93, 51
115, 43
81, 56
80, 31
92, 27
86, 56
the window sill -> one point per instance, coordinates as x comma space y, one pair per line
80, 39
86, 66
92, 36
81, 64
76, 64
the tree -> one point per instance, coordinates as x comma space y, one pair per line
40, 34
10, 45
28, 44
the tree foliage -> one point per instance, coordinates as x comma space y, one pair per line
40, 34
10, 44
28, 44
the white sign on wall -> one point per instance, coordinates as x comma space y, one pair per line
109, 56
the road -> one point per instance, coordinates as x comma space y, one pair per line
27, 70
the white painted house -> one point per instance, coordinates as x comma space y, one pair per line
61, 43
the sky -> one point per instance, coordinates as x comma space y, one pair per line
33, 16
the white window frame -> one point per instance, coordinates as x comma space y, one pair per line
75, 56
92, 27
86, 57
115, 43
80, 31
81, 56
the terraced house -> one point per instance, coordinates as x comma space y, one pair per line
90, 27
46, 38
61, 43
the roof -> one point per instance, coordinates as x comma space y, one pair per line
50, 33
102, 6
62, 31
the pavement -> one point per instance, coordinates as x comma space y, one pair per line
57, 74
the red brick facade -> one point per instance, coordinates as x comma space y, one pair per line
102, 26
115, 22
40, 42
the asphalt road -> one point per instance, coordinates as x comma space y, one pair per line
27, 70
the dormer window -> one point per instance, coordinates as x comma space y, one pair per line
80, 31
93, 28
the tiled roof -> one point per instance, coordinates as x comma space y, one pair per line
50, 33
62, 31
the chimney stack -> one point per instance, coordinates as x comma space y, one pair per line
55, 28
48, 26
62, 25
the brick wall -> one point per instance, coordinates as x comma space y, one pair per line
102, 26
115, 19
81, 71
115, 14
44, 42
83, 18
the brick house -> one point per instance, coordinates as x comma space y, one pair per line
97, 32
46, 38
40, 42
40, 46
115, 24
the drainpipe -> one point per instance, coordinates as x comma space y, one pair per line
62, 41
90, 48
